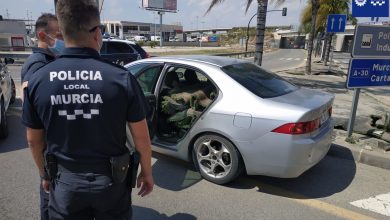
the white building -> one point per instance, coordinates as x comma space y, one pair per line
127, 29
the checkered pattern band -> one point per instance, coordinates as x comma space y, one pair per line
78, 112
378, 3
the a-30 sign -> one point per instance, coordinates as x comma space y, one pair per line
370, 8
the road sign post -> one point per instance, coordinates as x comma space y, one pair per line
366, 73
371, 41
336, 23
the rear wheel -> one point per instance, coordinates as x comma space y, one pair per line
3, 121
13, 94
217, 159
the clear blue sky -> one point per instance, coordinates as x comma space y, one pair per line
229, 14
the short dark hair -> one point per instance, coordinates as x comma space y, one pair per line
43, 21
77, 17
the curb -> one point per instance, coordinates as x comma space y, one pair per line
360, 155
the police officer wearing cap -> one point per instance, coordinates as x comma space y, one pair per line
49, 46
80, 105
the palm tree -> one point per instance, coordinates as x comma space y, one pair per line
316, 13
261, 20
314, 6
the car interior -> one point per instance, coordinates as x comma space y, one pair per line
185, 94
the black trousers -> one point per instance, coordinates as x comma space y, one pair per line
44, 203
88, 196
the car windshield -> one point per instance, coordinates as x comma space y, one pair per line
259, 81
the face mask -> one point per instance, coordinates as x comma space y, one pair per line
58, 47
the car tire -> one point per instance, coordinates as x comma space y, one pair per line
214, 166
3, 122
13, 94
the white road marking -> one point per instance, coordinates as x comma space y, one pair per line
290, 59
379, 204
305, 59
297, 59
282, 58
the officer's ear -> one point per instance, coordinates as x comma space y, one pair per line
41, 36
97, 34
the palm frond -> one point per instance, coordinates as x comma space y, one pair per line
213, 3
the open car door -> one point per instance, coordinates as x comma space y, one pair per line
147, 75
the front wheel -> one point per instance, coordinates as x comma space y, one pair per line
217, 159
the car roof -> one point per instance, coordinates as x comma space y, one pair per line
121, 41
213, 60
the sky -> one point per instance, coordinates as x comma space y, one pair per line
191, 13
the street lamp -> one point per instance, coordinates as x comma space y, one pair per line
284, 13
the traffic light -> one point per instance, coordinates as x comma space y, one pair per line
284, 12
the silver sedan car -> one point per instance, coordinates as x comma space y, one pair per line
229, 116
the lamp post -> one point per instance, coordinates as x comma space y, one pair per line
284, 13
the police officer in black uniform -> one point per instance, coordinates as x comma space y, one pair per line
80, 104
49, 45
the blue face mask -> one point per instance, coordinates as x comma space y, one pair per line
58, 47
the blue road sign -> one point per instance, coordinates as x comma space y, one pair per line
370, 8
371, 41
336, 23
368, 73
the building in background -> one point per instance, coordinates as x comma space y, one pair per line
13, 34
130, 29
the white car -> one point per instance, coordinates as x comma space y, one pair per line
7, 95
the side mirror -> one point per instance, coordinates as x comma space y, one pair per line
9, 60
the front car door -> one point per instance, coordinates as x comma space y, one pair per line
147, 75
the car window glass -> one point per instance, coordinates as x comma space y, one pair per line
134, 69
259, 81
138, 48
103, 48
118, 47
148, 78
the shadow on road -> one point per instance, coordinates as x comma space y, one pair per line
16, 139
147, 213
332, 175
172, 174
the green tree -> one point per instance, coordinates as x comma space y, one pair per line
315, 15
261, 20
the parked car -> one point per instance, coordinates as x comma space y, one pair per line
7, 94
122, 51
140, 38
155, 38
229, 116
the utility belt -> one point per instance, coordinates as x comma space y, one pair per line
121, 168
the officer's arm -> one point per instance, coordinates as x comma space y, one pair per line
36, 142
140, 133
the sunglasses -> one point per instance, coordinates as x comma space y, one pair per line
100, 26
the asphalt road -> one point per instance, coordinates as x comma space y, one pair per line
284, 59
324, 192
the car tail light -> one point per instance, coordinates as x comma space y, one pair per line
298, 128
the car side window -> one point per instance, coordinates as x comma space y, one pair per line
148, 78
103, 48
118, 47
